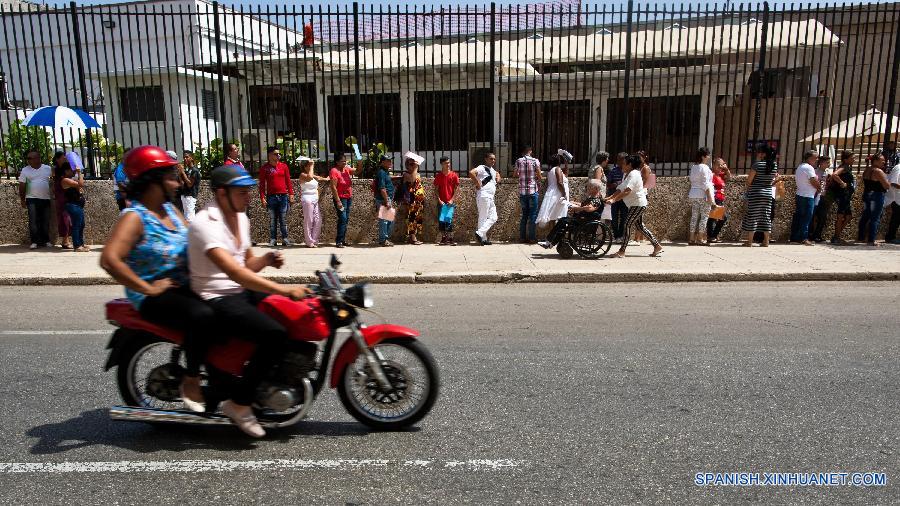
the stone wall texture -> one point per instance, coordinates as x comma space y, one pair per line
667, 215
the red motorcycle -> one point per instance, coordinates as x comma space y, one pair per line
385, 378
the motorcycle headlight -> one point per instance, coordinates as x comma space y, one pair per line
360, 295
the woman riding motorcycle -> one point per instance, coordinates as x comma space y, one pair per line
147, 253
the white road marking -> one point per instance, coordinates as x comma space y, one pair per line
214, 466
55, 332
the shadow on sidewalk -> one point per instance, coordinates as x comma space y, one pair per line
96, 428
13, 249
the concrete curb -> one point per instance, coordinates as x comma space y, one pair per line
511, 277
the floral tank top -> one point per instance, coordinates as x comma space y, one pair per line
161, 253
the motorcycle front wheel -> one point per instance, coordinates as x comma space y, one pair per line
414, 379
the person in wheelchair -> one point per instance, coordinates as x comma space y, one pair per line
591, 209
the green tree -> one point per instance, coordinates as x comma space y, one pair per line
210, 157
292, 149
371, 158
18, 140
107, 154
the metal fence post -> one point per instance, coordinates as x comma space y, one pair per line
627, 84
218, 30
892, 89
79, 61
760, 75
357, 103
492, 76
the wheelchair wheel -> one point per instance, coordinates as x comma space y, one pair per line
564, 250
592, 239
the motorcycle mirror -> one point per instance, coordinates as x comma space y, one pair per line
335, 263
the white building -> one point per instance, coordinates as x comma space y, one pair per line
135, 46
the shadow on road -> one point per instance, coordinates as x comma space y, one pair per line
96, 428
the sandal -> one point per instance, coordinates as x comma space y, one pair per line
619, 254
247, 423
190, 404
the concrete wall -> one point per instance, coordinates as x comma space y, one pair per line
667, 215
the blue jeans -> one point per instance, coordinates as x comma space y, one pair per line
873, 204
529, 205
803, 213
384, 227
343, 217
76, 212
278, 206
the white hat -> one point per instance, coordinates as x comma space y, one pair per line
412, 156
565, 154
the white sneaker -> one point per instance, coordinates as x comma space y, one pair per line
272, 243
544, 244
33, 246
49, 245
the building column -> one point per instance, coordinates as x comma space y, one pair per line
602, 114
321, 115
707, 113
408, 129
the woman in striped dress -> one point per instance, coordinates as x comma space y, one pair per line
762, 177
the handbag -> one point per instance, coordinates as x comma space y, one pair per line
718, 213
446, 215
387, 213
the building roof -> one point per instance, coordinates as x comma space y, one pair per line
723, 38
395, 24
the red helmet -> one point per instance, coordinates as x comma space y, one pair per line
145, 158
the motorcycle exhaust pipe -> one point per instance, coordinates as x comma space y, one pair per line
152, 415
133, 414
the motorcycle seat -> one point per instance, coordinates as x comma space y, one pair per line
122, 313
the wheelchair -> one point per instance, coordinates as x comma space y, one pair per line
588, 236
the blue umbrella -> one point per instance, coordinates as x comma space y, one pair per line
60, 117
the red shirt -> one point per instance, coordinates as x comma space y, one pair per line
344, 186
719, 186
275, 180
446, 185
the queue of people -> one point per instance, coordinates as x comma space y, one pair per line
819, 190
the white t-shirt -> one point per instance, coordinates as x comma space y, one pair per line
804, 172
638, 195
893, 194
37, 182
490, 188
701, 181
208, 231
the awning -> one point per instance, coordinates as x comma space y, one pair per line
866, 127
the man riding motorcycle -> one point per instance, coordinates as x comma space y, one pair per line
223, 272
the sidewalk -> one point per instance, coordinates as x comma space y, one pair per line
510, 263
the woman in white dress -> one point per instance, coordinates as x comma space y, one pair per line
600, 175
309, 199
556, 199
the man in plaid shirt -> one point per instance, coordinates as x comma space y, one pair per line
528, 170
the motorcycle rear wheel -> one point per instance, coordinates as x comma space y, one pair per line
143, 351
414, 375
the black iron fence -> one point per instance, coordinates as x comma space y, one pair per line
454, 82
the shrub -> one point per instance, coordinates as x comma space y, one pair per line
18, 140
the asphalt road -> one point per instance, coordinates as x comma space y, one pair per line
551, 394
